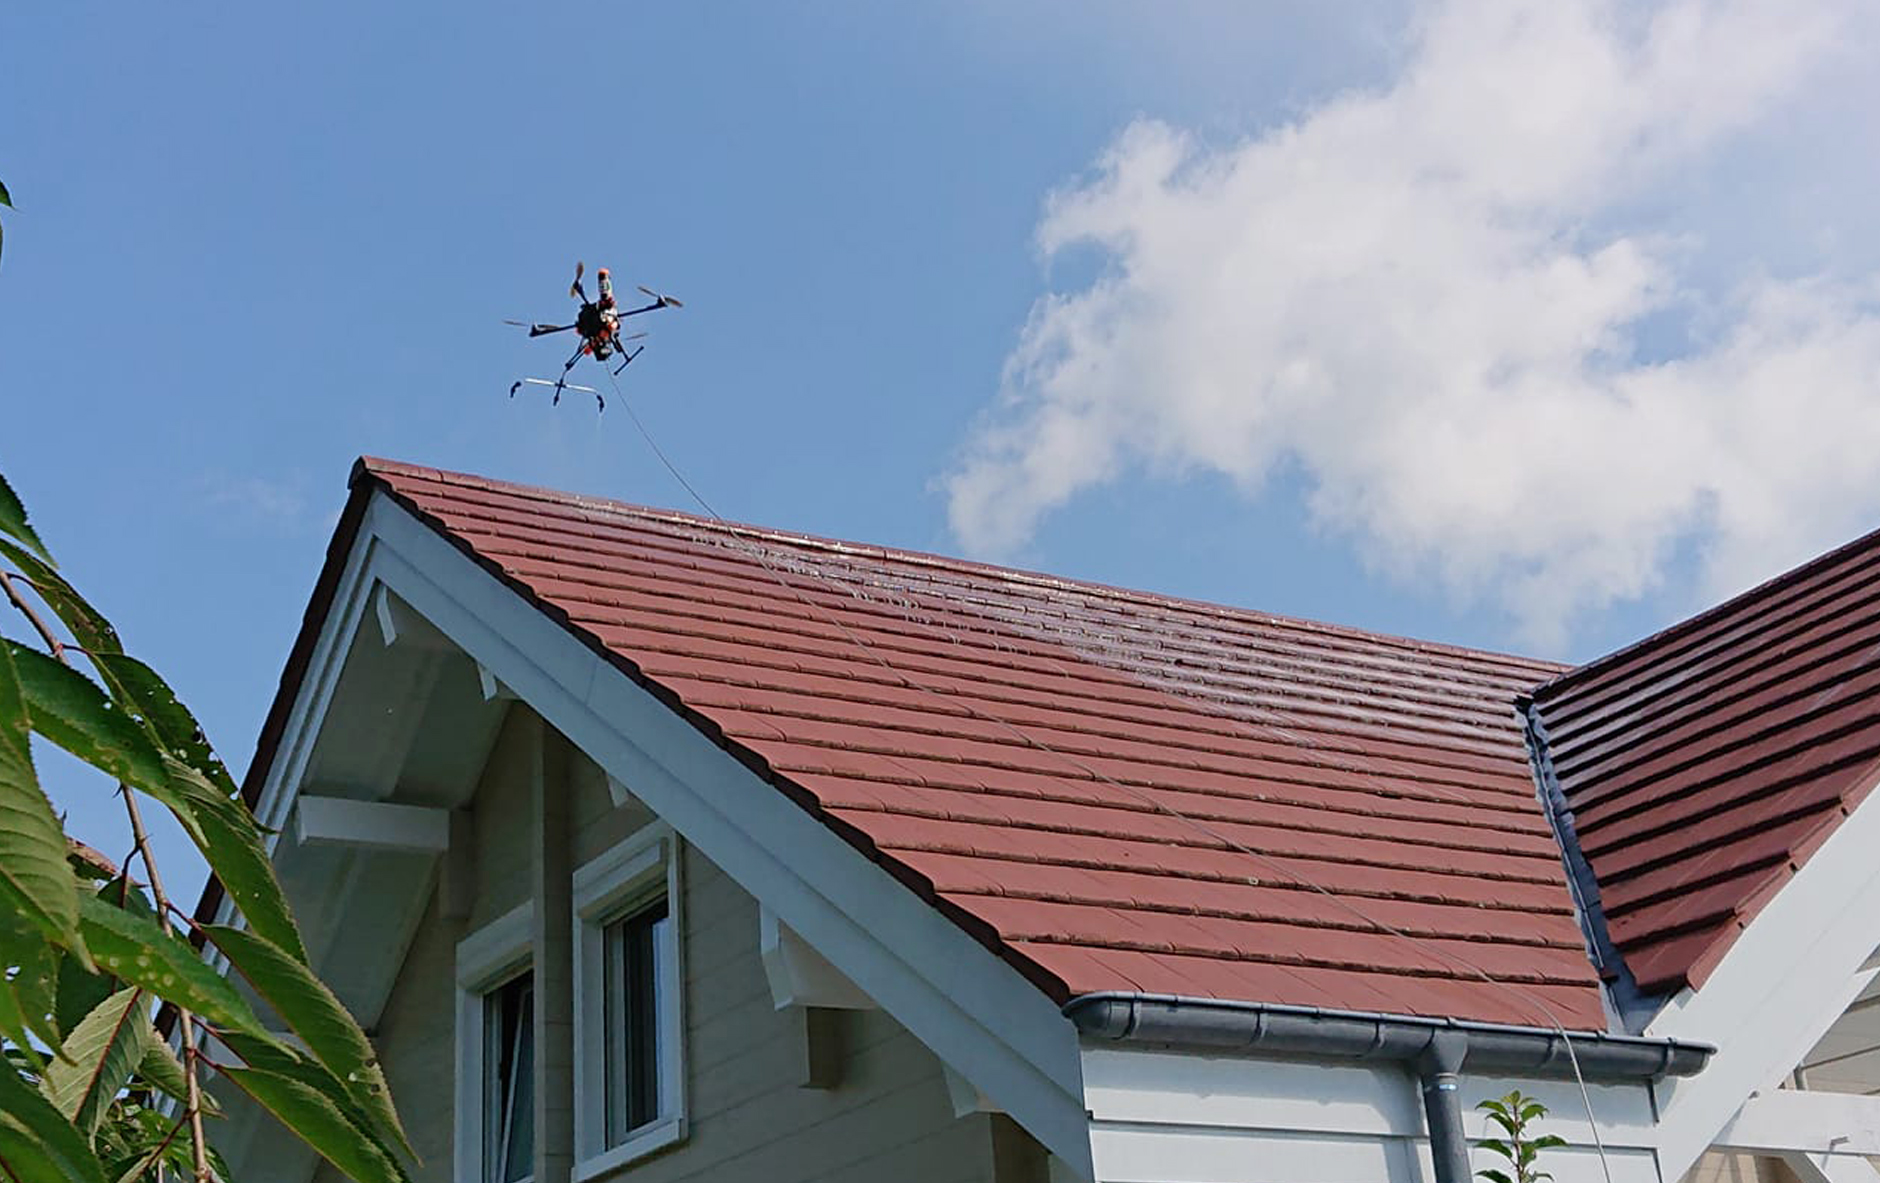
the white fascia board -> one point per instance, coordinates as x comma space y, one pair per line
348, 608
375, 825
357, 598
1791, 973
990, 1024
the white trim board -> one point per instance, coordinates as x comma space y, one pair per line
1784, 982
1810, 1122
989, 1023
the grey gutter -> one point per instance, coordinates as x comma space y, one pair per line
1435, 1049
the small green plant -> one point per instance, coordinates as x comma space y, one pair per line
1514, 1114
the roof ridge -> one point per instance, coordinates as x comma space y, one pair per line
372, 466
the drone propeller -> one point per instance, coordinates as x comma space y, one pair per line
537, 330
574, 289
664, 300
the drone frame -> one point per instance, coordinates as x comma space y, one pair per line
613, 342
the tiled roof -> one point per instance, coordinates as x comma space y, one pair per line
1113, 790
1703, 765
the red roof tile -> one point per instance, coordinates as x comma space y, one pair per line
1702, 765
1113, 790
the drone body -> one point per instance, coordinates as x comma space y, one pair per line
598, 325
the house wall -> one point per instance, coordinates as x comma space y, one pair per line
1165, 1118
1847, 1059
889, 1116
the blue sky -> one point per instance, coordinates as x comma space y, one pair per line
254, 242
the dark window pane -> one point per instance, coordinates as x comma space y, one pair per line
509, 1080
635, 952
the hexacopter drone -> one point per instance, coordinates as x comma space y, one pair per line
598, 323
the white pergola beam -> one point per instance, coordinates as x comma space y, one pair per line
1798, 1121
1830, 1168
372, 825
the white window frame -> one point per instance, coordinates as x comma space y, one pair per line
485, 959
606, 889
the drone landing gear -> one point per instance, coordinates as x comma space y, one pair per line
557, 387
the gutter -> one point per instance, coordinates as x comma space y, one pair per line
1435, 1049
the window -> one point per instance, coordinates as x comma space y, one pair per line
630, 993
509, 1080
496, 1052
630, 1085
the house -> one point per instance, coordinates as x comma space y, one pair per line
652, 847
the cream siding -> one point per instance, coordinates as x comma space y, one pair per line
889, 1118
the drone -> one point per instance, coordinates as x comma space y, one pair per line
598, 324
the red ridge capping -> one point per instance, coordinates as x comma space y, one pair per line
1062, 726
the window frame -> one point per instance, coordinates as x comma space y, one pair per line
609, 888
487, 959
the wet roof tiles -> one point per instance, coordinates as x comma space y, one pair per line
1113, 790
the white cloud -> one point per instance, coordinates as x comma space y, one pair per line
1439, 303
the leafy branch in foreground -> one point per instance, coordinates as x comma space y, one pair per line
91, 1089
1513, 1115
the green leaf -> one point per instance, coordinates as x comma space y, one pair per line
162, 1071
79, 989
1494, 1176
1496, 1146
6, 198
70, 710
29, 969
231, 843
37, 1144
320, 1020
87, 624
1547, 1142
13, 521
32, 842
136, 950
98, 1057
319, 1122
144, 692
